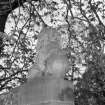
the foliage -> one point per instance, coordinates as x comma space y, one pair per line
82, 21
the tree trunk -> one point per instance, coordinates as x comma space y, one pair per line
3, 19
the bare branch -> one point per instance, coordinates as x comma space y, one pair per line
34, 9
18, 41
82, 12
94, 11
69, 6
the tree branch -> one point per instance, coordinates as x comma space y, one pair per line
94, 11
69, 6
34, 9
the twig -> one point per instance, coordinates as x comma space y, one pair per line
34, 9
94, 11
18, 41
69, 6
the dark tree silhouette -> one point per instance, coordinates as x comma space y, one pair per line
6, 6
